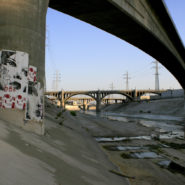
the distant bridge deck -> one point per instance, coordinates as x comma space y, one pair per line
103, 93
99, 95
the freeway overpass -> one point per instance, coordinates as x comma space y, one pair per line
145, 24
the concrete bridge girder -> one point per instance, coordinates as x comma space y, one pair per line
144, 24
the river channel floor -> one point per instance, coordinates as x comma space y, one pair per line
83, 149
147, 151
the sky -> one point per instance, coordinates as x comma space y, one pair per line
87, 58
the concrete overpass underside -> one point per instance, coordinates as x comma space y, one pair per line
143, 23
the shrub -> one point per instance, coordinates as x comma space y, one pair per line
73, 113
59, 114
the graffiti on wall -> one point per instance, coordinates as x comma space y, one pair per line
19, 88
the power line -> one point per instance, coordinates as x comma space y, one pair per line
127, 78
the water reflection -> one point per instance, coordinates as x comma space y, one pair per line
145, 155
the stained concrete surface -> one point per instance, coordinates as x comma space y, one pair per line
69, 154
66, 155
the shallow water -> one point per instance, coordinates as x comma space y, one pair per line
145, 155
169, 127
114, 139
160, 136
164, 163
125, 148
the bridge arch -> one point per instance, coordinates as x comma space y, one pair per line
72, 95
151, 92
118, 93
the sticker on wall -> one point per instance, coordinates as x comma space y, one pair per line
19, 88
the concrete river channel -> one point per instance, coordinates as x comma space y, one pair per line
162, 145
167, 126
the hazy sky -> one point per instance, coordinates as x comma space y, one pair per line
90, 59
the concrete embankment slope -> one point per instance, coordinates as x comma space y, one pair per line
66, 155
173, 107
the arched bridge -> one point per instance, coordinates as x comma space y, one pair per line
99, 95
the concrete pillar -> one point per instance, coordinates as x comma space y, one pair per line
84, 105
136, 95
98, 102
62, 100
184, 114
22, 60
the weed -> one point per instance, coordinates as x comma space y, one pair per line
176, 168
111, 148
73, 113
154, 147
126, 156
174, 145
59, 114
121, 175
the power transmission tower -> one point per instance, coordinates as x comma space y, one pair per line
56, 80
112, 88
156, 67
127, 78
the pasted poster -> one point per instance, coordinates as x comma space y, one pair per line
13, 79
34, 108
19, 88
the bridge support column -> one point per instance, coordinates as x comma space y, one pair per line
62, 100
107, 101
135, 95
184, 114
84, 105
98, 102
22, 62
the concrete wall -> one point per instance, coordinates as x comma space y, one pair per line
173, 93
